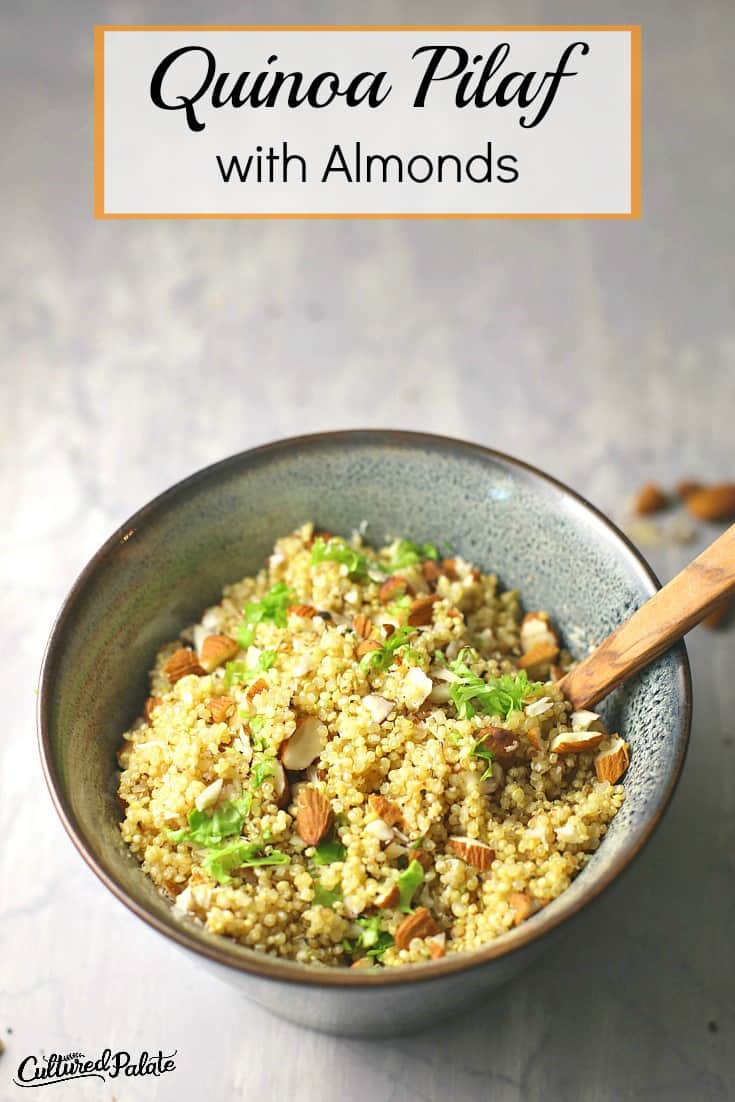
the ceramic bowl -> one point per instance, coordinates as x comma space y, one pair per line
172, 558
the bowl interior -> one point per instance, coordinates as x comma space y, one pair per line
158, 573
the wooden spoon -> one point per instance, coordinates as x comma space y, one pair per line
669, 614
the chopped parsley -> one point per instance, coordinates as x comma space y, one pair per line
240, 854
273, 608
498, 696
262, 770
408, 554
479, 751
409, 882
337, 550
323, 897
210, 830
371, 938
238, 671
383, 658
327, 852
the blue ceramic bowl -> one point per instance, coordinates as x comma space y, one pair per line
173, 557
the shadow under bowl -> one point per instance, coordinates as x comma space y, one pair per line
171, 560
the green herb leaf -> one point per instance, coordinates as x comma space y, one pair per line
371, 938
220, 862
327, 852
408, 554
267, 659
337, 550
273, 608
479, 751
498, 696
383, 658
262, 770
409, 882
237, 671
323, 897
209, 830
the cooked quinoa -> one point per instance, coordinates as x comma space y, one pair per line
362, 758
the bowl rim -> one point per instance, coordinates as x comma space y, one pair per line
230, 954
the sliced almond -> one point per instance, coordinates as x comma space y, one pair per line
388, 897
182, 663
362, 626
366, 646
649, 499
280, 784
419, 924
362, 964
611, 764
472, 852
307, 612
313, 815
209, 796
587, 721
385, 809
537, 657
574, 742
524, 905
534, 737
437, 946
504, 745
305, 744
539, 707
715, 502
149, 708
378, 707
220, 708
392, 588
536, 627
216, 650
421, 612
256, 687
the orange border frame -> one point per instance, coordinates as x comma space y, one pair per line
635, 117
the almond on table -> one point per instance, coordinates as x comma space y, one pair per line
359, 754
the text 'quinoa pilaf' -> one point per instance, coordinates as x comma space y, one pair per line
362, 758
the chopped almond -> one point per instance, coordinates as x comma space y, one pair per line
687, 487
363, 964
366, 646
524, 905
715, 502
504, 745
392, 588
305, 744
421, 612
389, 897
281, 786
536, 628
431, 571
472, 852
378, 707
610, 764
209, 795
149, 708
216, 650
574, 742
362, 626
419, 924
256, 687
182, 663
220, 708
314, 815
449, 569
537, 657
649, 499
385, 809
533, 735
307, 612
437, 946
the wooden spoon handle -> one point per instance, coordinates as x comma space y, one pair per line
663, 619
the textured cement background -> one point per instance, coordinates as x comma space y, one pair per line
133, 353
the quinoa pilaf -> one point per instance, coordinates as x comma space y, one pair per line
362, 758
